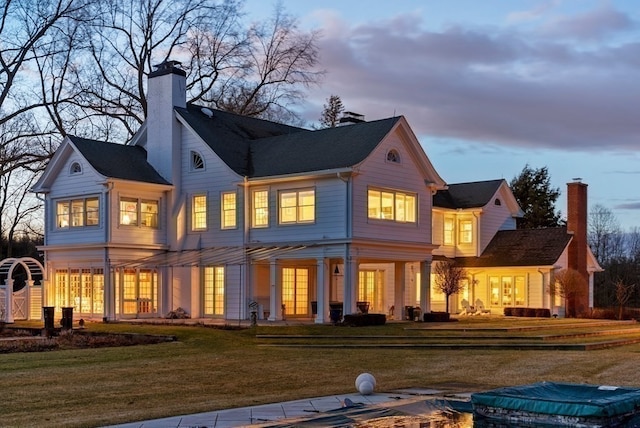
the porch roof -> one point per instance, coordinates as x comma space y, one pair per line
230, 255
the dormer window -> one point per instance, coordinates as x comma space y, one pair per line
197, 162
393, 156
76, 168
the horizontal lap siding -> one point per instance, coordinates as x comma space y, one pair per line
215, 179
76, 186
330, 213
378, 173
493, 219
132, 235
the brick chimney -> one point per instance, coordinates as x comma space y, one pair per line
577, 252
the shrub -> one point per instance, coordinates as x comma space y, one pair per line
519, 312
435, 316
530, 312
361, 320
543, 313
508, 312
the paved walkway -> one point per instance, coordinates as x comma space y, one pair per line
268, 414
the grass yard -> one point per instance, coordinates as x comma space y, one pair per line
211, 368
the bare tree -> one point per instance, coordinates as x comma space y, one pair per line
624, 292
568, 284
448, 278
331, 112
604, 234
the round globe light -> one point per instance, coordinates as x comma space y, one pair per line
369, 380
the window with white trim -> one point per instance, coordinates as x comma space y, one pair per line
391, 205
260, 211
138, 212
466, 231
297, 206
78, 212
197, 161
228, 210
75, 168
199, 212
448, 232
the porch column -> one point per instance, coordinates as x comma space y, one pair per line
29, 296
8, 300
109, 294
322, 289
275, 292
425, 286
350, 291
399, 286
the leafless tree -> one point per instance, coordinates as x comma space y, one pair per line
448, 278
604, 234
624, 292
568, 284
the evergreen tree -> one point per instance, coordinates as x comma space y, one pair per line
532, 189
331, 112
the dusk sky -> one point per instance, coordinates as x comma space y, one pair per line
490, 86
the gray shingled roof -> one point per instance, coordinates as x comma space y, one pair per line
259, 148
117, 160
467, 195
521, 247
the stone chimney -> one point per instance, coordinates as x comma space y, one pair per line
166, 90
577, 252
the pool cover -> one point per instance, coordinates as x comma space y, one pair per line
566, 399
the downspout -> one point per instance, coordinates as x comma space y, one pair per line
544, 288
479, 234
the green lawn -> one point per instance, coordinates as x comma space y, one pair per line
209, 369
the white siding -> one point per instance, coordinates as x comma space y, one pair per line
377, 172
495, 217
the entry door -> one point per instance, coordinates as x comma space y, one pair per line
371, 289
295, 291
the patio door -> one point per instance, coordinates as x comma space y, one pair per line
138, 292
295, 291
371, 289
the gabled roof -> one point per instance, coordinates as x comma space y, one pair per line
467, 195
259, 148
117, 160
522, 247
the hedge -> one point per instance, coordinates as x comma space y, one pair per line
361, 320
527, 312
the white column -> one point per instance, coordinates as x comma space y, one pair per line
399, 286
275, 292
425, 286
350, 292
322, 289
8, 301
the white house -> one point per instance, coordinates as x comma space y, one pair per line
221, 214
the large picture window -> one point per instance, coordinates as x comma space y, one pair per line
78, 212
508, 290
391, 205
298, 206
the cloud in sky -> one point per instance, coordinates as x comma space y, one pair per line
568, 81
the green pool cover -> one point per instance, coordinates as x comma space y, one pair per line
564, 399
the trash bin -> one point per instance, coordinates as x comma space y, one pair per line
48, 313
67, 318
408, 313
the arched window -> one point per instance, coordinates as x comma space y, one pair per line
76, 168
393, 156
497, 202
197, 162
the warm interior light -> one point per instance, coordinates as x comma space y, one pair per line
126, 219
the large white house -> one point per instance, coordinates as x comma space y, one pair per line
221, 214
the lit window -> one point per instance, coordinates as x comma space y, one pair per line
199, 213
448, 231
466, 232
136, 212
295, 291
494, 286
228, 207
213, 289
78, 213
129, 211
297, 206
149, 214
76, 168
260, 213
197, 162
395, 206
507, 291
519, 291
